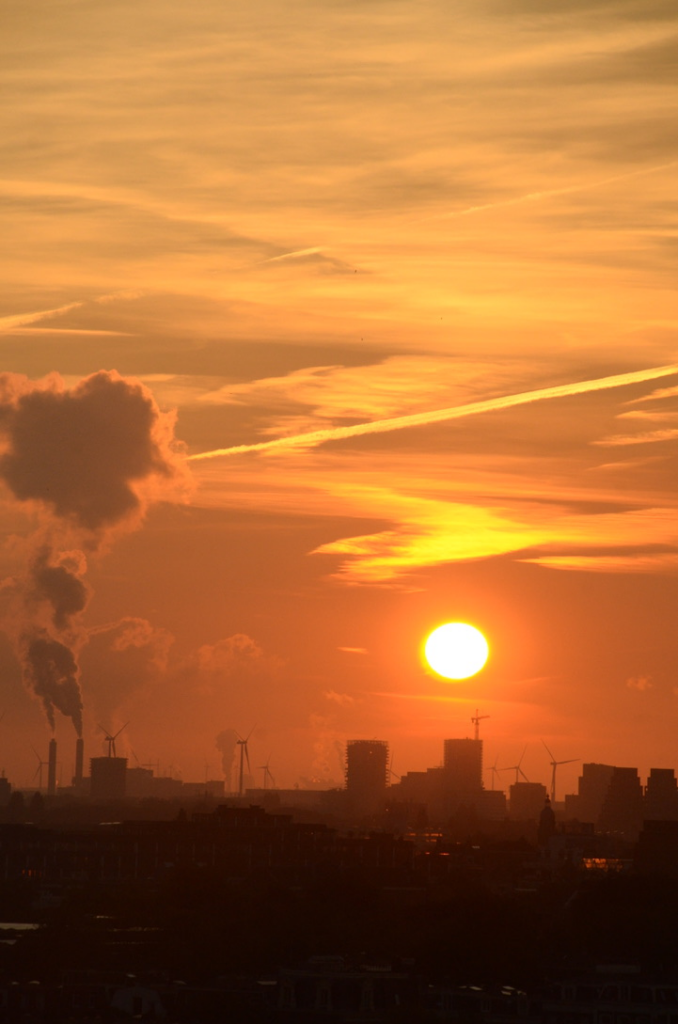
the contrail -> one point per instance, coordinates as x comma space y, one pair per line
531, 197
297, 254
420, 419
11, 323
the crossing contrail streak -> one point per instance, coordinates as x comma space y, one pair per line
421, 419
297, 254
19, 320
531, 197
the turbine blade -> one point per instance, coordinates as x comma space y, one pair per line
548, 752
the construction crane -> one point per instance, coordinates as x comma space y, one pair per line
554, 764
477, 719
389, 770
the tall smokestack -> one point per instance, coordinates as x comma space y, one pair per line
52, 768
79, 758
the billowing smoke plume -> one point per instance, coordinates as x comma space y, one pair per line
51, 669
89, 460
121, 660
47, 634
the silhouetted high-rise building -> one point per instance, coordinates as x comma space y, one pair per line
593, 785
622, 809
108, 777
661, 795
527, 800
463, 765
366, 774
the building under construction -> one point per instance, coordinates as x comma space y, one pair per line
366, 775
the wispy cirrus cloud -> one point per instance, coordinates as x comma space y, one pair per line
649, 437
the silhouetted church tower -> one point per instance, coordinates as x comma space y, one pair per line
547, 824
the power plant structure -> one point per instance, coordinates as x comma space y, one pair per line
52, 768
79, 762
108, 778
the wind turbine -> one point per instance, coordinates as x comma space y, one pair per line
111, 739
477, 719
554, 764
244, 756
495, 772
142, 764
516, 768
268, 774
38, 770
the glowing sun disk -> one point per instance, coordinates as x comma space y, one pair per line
456, 650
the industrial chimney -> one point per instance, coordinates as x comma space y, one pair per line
52, 768
79, 759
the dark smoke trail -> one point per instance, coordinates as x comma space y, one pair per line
56, 581
51, 670
90, 459
52, 598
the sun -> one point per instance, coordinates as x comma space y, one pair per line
456, 650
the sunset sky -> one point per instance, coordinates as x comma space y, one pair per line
440, 238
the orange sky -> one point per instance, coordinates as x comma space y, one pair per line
292, 219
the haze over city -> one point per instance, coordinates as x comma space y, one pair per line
323, 325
